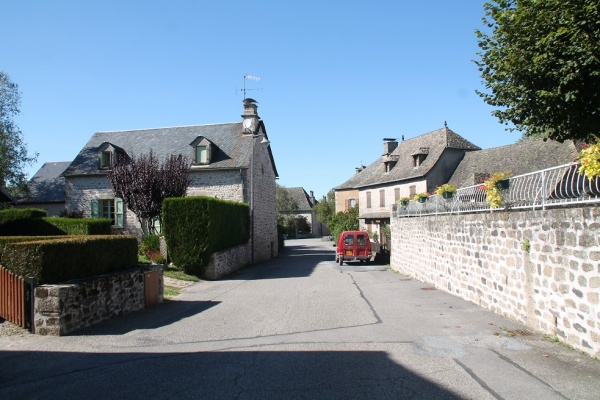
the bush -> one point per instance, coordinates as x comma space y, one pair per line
33, 222
62, 259
196, 227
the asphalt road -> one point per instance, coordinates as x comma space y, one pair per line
300, 327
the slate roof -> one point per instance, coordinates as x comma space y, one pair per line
47, 185
232, 147
301, 198
519, 158
436, 142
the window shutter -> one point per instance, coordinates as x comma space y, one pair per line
208, 147
118, 213
95, 209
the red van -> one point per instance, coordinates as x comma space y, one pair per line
353, 246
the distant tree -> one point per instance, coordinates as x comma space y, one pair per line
541, 67
284, 202
325, 209
143, 183
344, 221
13, 153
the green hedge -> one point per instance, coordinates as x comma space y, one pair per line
16, 214
196, 227
33, 222
62, 259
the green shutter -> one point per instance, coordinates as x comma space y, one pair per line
95, 209
118, 213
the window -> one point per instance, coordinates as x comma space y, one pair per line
202, 149
396, 194
109, 208
202, 156
351, 203
368, 199
382, 198
361, 240
106, 159
349, 241
413, 190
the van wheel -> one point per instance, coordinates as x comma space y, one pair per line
336, 258
341, 261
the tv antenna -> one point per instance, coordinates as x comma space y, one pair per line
251, 78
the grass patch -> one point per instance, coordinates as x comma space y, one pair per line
173, 272
170, 292
516, 332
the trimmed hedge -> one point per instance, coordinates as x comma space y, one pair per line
196, 227
33, 222
62, 259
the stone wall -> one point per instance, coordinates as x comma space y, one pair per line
540, 268
60, 309
227, 261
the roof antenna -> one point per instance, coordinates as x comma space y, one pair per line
248, 77
445, 125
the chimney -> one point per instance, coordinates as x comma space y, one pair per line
389, 145
250, 116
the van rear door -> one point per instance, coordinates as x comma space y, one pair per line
363, 247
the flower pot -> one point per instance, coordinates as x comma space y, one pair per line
502, 185
404, 203
422, 199
447, 195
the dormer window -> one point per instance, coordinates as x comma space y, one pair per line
108, 155
202, 155
106, 159
420, 156
202, 150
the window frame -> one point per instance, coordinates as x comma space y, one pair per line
97, 210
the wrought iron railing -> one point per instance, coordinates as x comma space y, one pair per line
550, 187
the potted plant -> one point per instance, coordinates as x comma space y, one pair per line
421, 197
446, 190
589, 160
493, 187
403, 201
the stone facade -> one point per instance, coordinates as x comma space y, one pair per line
540, 268
60, 309
225, 262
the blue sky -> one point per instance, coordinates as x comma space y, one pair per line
336, 76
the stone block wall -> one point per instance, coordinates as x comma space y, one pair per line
540, 268
60, 309
227, 261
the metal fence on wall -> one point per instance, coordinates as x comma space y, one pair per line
557, 186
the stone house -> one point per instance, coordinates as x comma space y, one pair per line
518, 158
416, 165
46, 189
305, 203
230, 161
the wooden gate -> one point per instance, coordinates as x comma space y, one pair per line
13, 298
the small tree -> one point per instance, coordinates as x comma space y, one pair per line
284, 202
13, 153
325, 209
143, 184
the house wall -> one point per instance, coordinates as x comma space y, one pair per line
554, 287
390, 199
223, 184
342, 197
265, 210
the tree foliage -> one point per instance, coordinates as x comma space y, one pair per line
540, 63
143, 183
13, 153
284, 202
336, 222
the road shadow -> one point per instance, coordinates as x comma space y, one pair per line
294, 261
165, 314
212, 375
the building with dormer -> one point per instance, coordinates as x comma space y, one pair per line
230, 161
